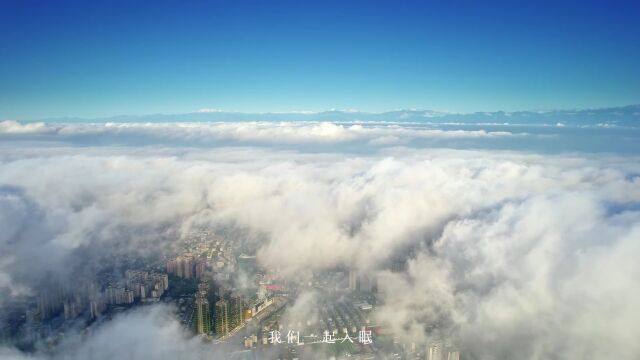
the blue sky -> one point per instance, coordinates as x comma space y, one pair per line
105, 58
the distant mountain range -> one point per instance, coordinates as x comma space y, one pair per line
615, 116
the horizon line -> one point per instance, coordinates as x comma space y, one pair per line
206, 110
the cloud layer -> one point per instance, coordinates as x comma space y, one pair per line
509, 254
250, 132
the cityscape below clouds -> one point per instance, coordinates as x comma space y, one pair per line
396, 237
324, 180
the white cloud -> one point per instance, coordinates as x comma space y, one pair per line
513, 255
538, 279
256, 132
209, 110
15, 127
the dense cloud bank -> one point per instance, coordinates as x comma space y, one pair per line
247, 132
510, 254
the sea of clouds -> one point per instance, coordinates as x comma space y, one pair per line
513, 252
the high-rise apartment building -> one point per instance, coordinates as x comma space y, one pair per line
222, 318
236, 305
203, 315
434, 352
453, 355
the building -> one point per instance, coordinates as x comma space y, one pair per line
236, 305
146, 285
95, 309
453, 355
51, 302
222, 318
247, 314
71, 309
162, 279
203, 314
250, 341
434, 352
119, 296
186, 267
200, 268
172, 266
366, 283
261, 305
353, 279
399, 266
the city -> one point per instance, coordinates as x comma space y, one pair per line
223, 296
